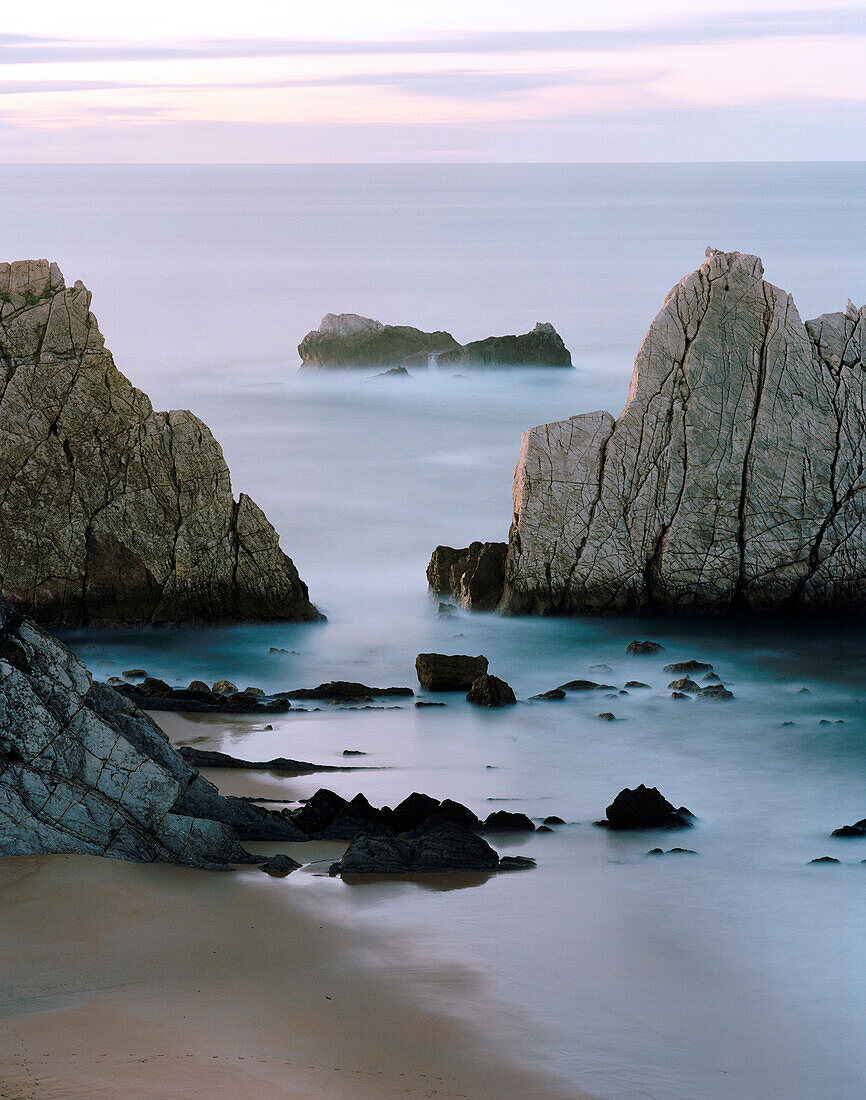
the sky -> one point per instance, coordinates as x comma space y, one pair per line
407, 81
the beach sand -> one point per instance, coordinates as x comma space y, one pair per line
122, 979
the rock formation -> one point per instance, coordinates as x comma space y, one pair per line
82, 770
543, 347
732, 480
112, 512
447, 672
347, 340
474, 575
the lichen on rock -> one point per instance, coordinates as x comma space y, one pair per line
112, 512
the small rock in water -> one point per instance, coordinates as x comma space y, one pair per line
803, 691
353, 752
428, 703
448, 672
544, 829
268, 727
446, 611
599, 668
684, 684
553, 820
280, 866
645, 808
134, 674
824, 859
678, 695
490, 691
622, 691
643, 649
671, 852
606, 716
789, 723
712, 678
554, 693
688, 667
516, 863
635, 684
715, 691
503, 821
579, 685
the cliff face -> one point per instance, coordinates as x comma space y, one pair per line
83, 771
732, 479
347, 340
112, 512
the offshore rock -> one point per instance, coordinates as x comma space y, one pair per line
474, 575
84, 771
111, 512
448, 672
733, 479
490, 691
347, 340
542, 347
645, 808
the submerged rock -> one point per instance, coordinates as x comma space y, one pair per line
114, 513
348, 340
82, 770
443, 672
474, 576
490, 691
645, 808
649, 512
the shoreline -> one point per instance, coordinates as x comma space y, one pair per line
158, 981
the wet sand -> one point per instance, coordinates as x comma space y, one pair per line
158, 981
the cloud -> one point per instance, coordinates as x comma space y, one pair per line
692, 30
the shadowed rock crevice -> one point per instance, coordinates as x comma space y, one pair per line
111, 512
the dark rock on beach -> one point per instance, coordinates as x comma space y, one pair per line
441, 672
447, 848
645, 808
209, 758
474, 576
490, 691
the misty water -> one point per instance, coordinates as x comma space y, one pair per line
736, 972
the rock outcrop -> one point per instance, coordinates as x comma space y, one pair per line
732, 480
345, 340
474, 575
645, 808
82, 770
448, 672
490, 691
111, 512
542, 347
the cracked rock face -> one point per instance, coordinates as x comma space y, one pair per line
84, 771
732, 479
112, 512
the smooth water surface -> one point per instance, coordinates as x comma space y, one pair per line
736, 972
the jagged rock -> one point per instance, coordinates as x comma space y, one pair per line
112, 512
394, 372
715, 691
474, 576
645, 808
347, 340
643, 649
732, 479
554, 693
223, 687
858, 829
542, 347
504, 821
443, 672
344, 689
490, 691
448, 848
82, 770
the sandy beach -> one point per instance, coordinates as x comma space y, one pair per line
157, 981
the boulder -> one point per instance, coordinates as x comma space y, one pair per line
715, 691
684, 684
344, 689
635, 684
553, 694
82, 770
542, 347
504, 821
444, 849
474, 576
643, 649
113, 513
645, 808
441, 672
516, 863
348, 340
858, 829
688, 667
490, 691
222, 687
280, 866
650, 513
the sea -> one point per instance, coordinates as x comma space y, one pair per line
738, 971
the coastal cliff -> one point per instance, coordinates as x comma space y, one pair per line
112, 512
348, 340
732, 480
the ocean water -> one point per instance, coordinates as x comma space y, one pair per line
736, 972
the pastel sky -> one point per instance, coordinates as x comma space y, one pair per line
399, 80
